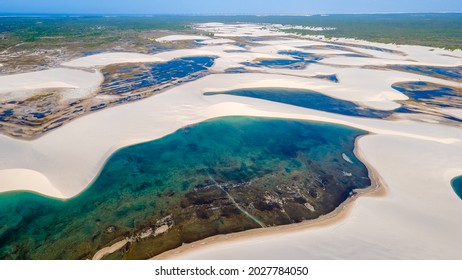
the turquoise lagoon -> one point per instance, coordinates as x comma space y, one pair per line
275, 169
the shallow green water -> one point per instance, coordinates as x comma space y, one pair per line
457, 186
141, 183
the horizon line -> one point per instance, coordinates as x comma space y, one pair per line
220, 14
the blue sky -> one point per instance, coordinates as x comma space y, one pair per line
226, 6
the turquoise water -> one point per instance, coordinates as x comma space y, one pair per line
142, 183
307, 99
457, 186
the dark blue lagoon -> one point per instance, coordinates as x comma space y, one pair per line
299, 60
438, 95
307, 99
219, 176
278, 63
332, 77
122, 79
457, 186
424, 95
123, 82
307, 57
374, 48
348, 48
448, 73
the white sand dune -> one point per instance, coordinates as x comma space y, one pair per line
454, 112
20, 86
205, 51
172, 38
238, 30
231, 60
424, 55
360, 61
275, 48
217, 41
104, 59
26, 179
415, 160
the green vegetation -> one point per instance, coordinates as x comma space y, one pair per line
437, 30
39, 42
434, 30
33, 29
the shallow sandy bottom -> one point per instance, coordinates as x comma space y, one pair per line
416, 161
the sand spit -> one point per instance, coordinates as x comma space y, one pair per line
109, 250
